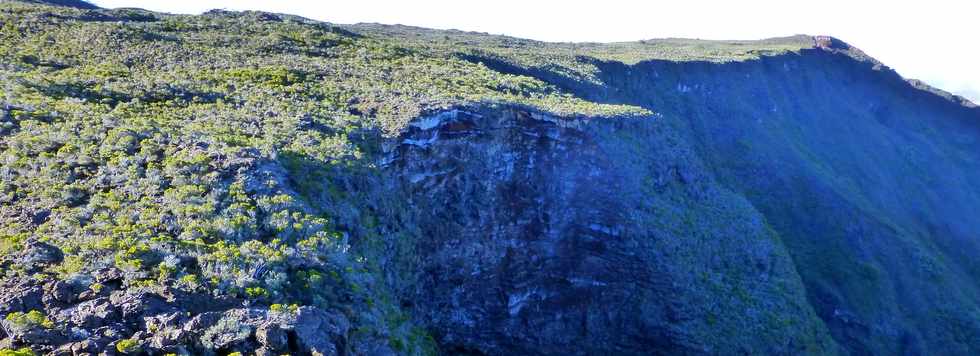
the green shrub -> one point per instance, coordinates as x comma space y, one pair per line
282, 308
11, 243
256, 292
24, 351
29, 320
268, 76
127, 346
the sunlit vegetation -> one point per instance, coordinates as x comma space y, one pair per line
576, 61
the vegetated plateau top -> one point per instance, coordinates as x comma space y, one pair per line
381, 75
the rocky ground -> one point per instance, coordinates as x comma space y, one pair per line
99, 317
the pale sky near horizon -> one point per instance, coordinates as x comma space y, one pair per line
937, 41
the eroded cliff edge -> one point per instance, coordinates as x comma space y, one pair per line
547, 235
860, 176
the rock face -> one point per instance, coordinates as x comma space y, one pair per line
689, 232
618, 232
560, 236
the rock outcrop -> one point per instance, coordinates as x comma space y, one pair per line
73, 322
550, 235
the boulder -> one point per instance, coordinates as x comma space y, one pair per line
202, 321
37, 255
34, 334
63, 350
90, 346
21, 298
108, 275
167, 330
236, 327
135, 306
93, 314
320, 332
60, 293
272, 337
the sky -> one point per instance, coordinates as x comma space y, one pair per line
937, 41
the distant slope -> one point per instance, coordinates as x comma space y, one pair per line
866, 177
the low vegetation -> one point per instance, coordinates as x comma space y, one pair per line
124, 135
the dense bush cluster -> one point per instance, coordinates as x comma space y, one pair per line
577, 61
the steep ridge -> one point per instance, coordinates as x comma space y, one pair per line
867, 178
